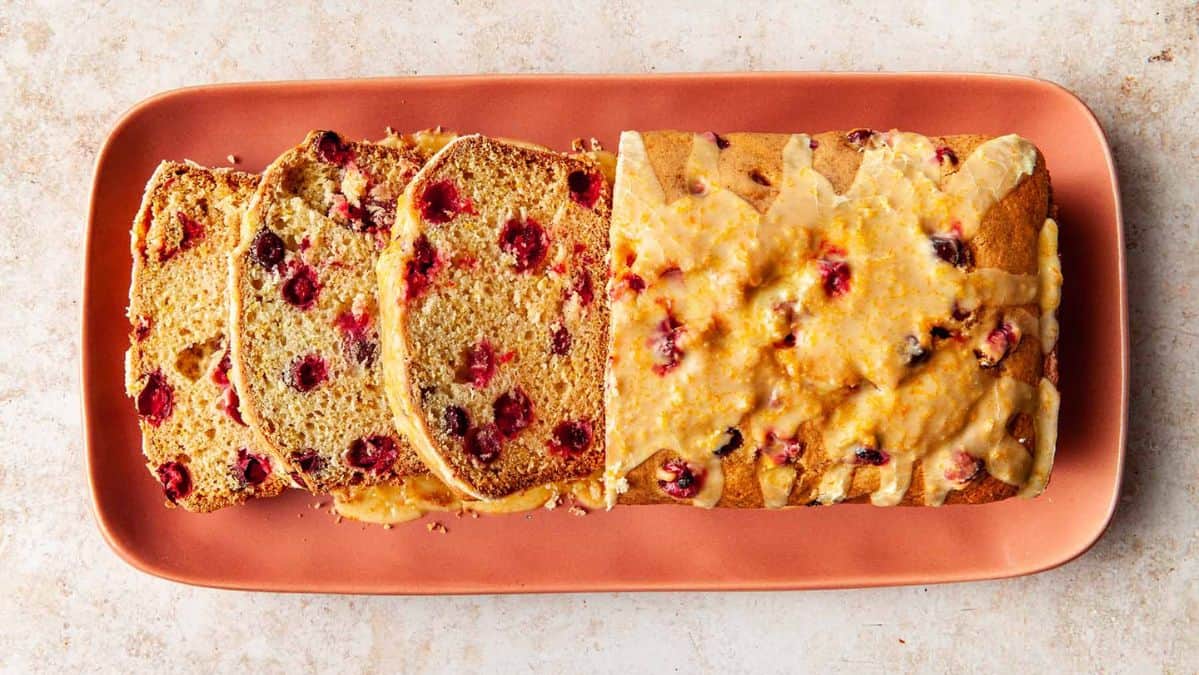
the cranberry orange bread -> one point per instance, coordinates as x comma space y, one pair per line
494, 333
176, 369
841, 317
305, 316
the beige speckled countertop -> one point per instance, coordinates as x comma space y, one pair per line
68, 604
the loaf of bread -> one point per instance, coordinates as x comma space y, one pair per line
177, 368
305, 314
494, 324
801, 320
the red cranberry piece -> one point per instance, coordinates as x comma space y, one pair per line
252, 469
953, 251
584, 187
782, 451
571, 438
331, 149
440, 202
267, 249
141, 329
870, 456
373, 453
176, 480
665, 346
483, 443
358, 344
193, 231
308, 461
526, 241
834, 277
301, 288
560, 340
156, 399
734, 441
813, 144
998, 344
628, 282
307, 372
343, 210
481, 363
220, 374
679, 479
946, 154
455, 421
964, 467
713, 137
231, 405
859, 137
418, 273
581, 286
513, 412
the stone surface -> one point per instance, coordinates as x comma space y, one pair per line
66, 603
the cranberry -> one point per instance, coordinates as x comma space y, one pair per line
307, 372
220, 374
964, 467
560, 340
513, 412
156, 399
440, 202
455, 421
480, 363
483, 443
584, 187
834, 277
713, 137
252, 469
419, 269
571, 438
941, 333
679, 479
193, 231
871, 456
946, 154
141, 329
998, 344
525, 241
379, 215
176, 480
343, 210
782, 451
582, 288
331, 149
309, 461
631, 282
735, 440
267, 249
915, 352
813, 144
859, 137
953, 251
373, 453
665, 346
230, 404
358, 345
301, 288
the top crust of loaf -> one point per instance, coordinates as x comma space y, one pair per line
188, 221
480, 298
308, 362
751, 166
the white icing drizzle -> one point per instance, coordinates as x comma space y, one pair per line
738, 281
1050, 291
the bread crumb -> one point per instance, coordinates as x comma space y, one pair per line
299, 515
318, 505
474, 514
1164, 56
338, 521
553, 502
437, 527
387, 526
577, 510
232, 159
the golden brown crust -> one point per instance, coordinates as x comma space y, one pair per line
751, 167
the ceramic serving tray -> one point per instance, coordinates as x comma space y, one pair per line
284, 545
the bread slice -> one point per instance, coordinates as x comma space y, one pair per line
176, 370
856, 316
305, 314
494, 331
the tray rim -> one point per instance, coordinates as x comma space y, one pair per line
133, 557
